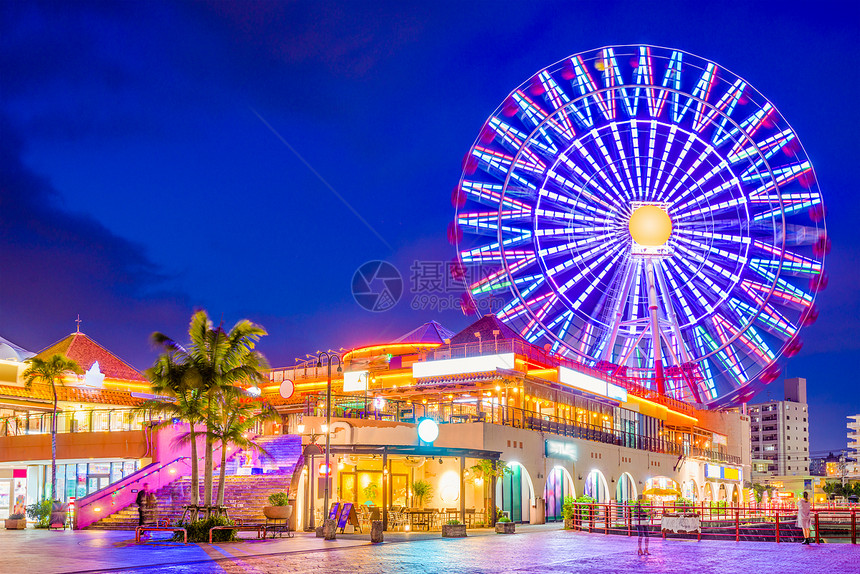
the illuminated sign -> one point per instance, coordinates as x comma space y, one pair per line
616, 392
428, 430
724, 472
560, 449
486, 363
582, 381
355, 381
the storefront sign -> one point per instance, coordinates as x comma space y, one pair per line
486, 363
355, 381
560, 449
724, 472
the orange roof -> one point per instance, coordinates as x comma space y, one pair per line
72, 394
84, 351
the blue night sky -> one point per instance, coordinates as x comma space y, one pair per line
159, 157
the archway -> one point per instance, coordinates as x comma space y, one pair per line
559, 484
721, 492
625, 490
514, 493
596, 486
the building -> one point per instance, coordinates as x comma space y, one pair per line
100, 436
825, 465
779, 432
490, 400
854, 435
561, 427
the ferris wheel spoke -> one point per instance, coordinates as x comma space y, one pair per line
588, 90
791, 264
726, 353
749, 341
560, 103
759, 152
681, 210
532, 113
748, 127
724, 106
671, 79
612, 79
624, 159
598, 172
772, 320
568, 186
514, 140
659, 187
783, 293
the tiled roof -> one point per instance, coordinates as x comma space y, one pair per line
72, 394
85, 352
430, 332
485, 326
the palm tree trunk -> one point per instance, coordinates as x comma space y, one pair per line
222, 474
54, 446
195, 472
207, 477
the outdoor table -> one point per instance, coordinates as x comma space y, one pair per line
423, 518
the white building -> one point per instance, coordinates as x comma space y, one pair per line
779, 432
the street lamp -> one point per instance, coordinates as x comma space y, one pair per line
328, 356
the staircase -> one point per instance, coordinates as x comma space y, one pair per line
244, 495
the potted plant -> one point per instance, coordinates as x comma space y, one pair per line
453, 529
421, 489
16, 522
280, 508
505, 526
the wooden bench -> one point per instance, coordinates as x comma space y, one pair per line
141, 529
260, 528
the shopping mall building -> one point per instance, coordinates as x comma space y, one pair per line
561, 428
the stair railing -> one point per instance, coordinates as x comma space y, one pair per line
123, 493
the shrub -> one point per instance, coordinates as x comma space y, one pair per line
41, 512
504, 519
198, 530
453, 522
684, 504
567, 508
17, 516
279, 499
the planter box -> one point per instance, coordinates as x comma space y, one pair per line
16, 524
568, 523
278, 512
505, 528
453, 530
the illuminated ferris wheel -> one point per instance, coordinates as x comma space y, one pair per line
648, 213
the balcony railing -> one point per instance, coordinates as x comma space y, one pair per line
542, 357
453, 412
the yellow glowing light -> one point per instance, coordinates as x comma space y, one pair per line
300, 428
650, 225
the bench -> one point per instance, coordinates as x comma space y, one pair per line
141, 529
260, 528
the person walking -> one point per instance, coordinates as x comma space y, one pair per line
641, 519
142, 501
804, 517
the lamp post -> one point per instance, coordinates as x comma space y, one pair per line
328, 356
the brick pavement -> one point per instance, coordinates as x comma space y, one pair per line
534, 549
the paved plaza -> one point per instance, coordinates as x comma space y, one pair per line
533, 549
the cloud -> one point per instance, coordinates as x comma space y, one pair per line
57, 262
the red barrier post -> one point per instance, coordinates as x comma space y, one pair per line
777, 526
817, 536
737, 525
853, 526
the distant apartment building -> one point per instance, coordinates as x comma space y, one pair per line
780, 434
824, 465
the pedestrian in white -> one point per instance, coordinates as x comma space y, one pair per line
804, 518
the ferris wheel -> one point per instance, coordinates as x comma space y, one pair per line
645, 212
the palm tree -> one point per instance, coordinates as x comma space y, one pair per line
237, 416
50, 372
222, 360
171, 376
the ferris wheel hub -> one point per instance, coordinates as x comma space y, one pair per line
650, 225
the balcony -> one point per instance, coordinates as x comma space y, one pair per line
450, 412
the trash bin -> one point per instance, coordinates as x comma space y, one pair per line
537, 515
